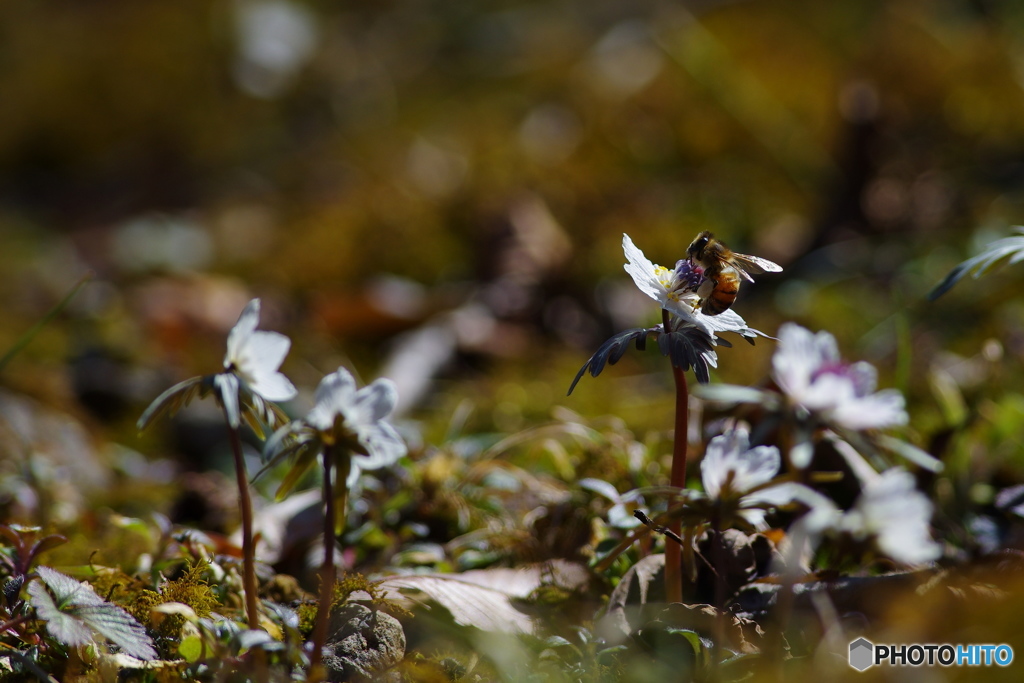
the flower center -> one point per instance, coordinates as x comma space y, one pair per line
686, 276
832, 368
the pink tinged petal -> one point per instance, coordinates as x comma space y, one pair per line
243, 329
227, 387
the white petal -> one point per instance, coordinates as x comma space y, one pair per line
274, 387
334, 396
720, 458
384, 445
643, 271
884, 409
267, 350
353, 476
864, 377
898, 514
757, 466
376, 401
827, 392
227, 386
243, 329
795, 359
262, 356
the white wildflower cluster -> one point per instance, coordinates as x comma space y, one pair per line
355, 419
825, 397
890, 510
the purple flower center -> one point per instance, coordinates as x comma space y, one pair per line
833, 368
688, 276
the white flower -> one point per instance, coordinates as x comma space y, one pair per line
252, 362
676, 291
897, 515
357, 417
348, 422
731, 471
253, 358
808, 369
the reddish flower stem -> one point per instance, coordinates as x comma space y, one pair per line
249, 584
327, 573
677, 478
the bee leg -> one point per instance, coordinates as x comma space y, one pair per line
704, 291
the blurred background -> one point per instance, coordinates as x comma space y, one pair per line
437, 192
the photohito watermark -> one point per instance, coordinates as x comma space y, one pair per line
864, 654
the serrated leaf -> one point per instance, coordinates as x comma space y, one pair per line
119, 627
65, 628
66, 590
74, 613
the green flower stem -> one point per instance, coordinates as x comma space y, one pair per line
677, 478
327, 570
249, 585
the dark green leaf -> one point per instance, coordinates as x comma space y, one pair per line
1007, 247
612, 350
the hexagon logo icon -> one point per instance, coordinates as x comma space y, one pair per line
862, 654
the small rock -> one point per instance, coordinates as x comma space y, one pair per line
362, 643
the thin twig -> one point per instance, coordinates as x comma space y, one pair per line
639, 514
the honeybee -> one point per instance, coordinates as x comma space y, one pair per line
723, 269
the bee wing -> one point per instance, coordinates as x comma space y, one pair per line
756, 265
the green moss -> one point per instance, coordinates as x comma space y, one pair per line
190, 589
348, 584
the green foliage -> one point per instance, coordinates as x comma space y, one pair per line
74, 615
191, 589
